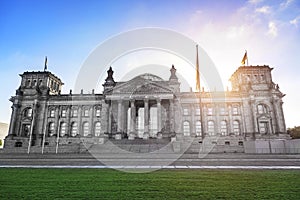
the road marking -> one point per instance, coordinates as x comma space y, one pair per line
148, 167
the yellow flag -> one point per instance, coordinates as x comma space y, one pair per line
197, 72
244, 59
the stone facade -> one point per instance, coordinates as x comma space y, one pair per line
145, 107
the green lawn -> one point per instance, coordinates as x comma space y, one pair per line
162, 184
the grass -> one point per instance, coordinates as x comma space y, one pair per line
162, 184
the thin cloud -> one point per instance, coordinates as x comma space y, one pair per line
255, 1
286, 4
263, 10
273, 29
295, 21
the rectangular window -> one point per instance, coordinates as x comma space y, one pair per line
209, 111
63, 112
52, 113
85, 112
197, 111
235, 110
263, 127
222, 111
26, 130
97, 112
185, 111
74, 112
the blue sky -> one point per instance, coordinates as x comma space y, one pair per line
68, 30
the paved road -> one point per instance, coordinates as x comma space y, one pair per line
185, 161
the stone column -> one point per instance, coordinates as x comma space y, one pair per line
158, 115
278, 119
230, 128
13, 119
218, 121
125, 116
242, 122
119, 122
172, 128
132, 116
282, 125
193, 121
109, 117
204, 120
146, 115
254, 118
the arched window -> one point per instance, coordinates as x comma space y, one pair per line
97, 129
236, 127
186, 128
198, 128
62, 129
261, 109
51, 129
211, 128
74, 129
27, 112
223, 128
85, 128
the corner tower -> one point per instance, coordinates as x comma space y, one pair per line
41, 81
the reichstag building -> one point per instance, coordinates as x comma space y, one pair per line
145, 108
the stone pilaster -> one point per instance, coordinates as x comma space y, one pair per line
57, 116
91, 119
68, 120
193, 121
79, 119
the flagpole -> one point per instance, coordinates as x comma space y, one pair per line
46, 62
44, 134
58, 130
198, 88
32, 124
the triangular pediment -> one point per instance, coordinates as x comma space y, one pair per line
141, 85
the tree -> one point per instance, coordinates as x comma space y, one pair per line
294, 132
0, 142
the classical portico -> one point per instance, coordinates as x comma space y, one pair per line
141, 108
141, 117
